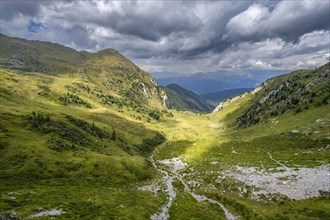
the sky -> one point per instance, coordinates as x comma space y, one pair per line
183, 36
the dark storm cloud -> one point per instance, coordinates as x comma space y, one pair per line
77, 35
179, 34
10, 9
141, 19
149, 27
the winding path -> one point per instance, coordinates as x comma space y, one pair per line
272, 158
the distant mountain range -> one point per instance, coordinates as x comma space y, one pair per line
202, 83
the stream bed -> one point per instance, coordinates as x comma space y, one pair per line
175, 165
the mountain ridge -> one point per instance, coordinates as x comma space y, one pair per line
182, 99
107, 68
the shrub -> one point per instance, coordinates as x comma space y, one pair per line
113, 135
43, 123
90, 128
154, 114
70, 98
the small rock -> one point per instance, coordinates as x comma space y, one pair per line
10, 216
12, 198
13, 215
324, 193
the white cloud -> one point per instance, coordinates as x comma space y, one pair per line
248, 23
17, 26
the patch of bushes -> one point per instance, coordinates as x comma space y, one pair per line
155, 114
90, 128
83, 86
150, 144
43, 123
70, 98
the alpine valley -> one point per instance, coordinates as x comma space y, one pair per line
92, 136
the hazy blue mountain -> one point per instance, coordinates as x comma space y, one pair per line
215, 97
195, 84
202, 83
162, 75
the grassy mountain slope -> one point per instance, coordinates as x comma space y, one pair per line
76, 136
52, 141
182, 99
106, 70
215, 97
38, 56
295, 92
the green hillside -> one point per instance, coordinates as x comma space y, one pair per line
73, 126
182, 99
37, 56
295, 92
55, 135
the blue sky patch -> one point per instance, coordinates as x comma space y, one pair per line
34, 27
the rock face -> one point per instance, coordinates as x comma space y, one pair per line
224, 104
165, 100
